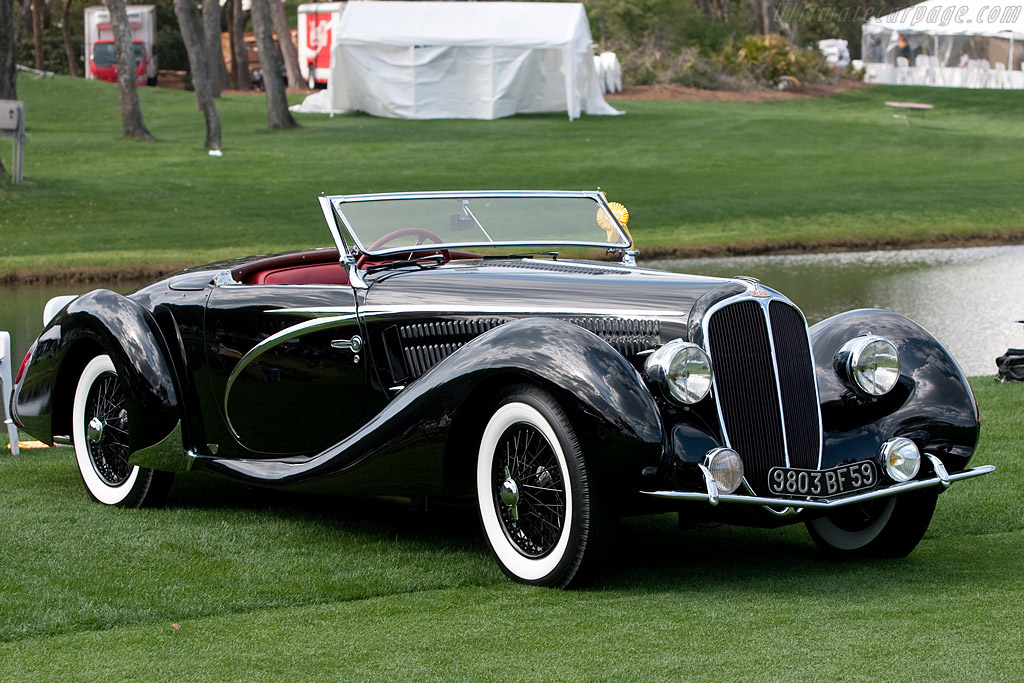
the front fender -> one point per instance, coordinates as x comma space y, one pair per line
101, 321
402, 449
932, 403
615, 417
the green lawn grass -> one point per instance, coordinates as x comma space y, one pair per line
281, 587
692, 173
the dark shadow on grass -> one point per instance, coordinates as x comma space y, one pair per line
448, 523
645, 553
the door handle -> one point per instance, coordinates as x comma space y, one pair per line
355, 344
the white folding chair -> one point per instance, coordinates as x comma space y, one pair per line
599, 70
1000, 79
984, 73
8, 388
903, 71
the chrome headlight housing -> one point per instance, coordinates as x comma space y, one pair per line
681, 370
901, 459
726, 468
871, 363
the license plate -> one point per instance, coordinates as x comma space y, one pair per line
786, 481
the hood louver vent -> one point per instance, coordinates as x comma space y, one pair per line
424, 345
559, 267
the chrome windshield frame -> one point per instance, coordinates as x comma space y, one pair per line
338, 201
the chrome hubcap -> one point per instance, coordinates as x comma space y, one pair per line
94, 432
510, 494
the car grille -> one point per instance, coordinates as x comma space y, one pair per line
762, 415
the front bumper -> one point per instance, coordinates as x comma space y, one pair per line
712, 497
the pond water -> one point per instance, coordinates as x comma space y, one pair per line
21, 311
967, 298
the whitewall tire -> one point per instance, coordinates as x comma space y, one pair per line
100, 436
535, 499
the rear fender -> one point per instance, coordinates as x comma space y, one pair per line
99, 322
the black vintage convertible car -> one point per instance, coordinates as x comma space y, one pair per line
442, 347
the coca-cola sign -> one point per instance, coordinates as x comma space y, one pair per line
318, 31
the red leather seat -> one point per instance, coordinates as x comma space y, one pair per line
313, 267
305, 274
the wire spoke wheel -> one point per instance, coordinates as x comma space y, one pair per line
107, 430
100, 432
529, 490
538, 505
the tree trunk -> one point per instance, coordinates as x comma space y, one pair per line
68, 49
8, 59
38, 17
196, 45
284, 39
131, 111
278, 115
214, 56
24, 24
229, 19
239, 53
8, 52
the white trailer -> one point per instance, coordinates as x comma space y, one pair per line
99, 38
317, 25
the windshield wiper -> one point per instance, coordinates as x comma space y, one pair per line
431, 261
492, 257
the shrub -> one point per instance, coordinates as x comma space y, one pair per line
771, 59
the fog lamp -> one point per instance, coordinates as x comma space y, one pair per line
872, 363
726, 468
681, 370
901, 458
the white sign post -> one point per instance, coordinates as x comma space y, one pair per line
12, 125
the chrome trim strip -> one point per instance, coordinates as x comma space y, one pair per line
274, 340
369, 312
318, 311
894, 490
775, 372
338, 200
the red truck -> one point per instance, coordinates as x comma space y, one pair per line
99, 44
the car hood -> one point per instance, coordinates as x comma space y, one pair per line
523, 287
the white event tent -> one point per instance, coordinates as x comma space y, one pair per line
480, 60
968, 43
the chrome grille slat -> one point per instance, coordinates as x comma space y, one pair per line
746, 391
796, 377
767, 403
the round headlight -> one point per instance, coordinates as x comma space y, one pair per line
682, 370
871, 363
726, 469
901, 458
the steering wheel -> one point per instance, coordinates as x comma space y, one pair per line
395, 234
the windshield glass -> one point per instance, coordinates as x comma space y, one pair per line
103, 54
395, 222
